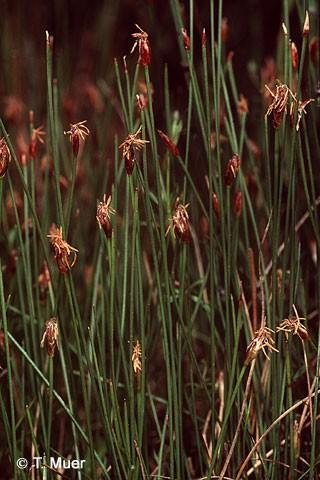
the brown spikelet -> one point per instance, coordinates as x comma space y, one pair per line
78, 131
232, 170
5, 157
186, 39
136, 358
141, 40
216, 205
180, 223
50, 337
129, 147
169, 144
36, 138
64, 254
294, 56
293, 325
262, 340
104, 210
279, 103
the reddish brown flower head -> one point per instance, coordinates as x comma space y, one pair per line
129, 147
141, 40
216, 205
232, 170
44, 282
186, 39
180, 223
64, 254
78, 131
306, 25
279, 103
169, 144
51, 336
5, 157
294, 56
104, 210
136, 358
238, 204
36, 138
242, 105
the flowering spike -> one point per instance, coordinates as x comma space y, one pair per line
141, 40
5, 157
293, 325
169, 144
232, 170
243, 105
294, 56
262, 340
51, 336
216, 205
129, 147
36, 138
64, 254
136, 358
104, 210
78, 131
279, 103
180, 223
186, 39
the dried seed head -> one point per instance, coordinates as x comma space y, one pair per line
180, 223
293, 325
136, 358
186, 39
238, 203
5, 157
36, 138
51, 336
78, 131
279, 103
294, 56
129, 147
64, 254
233, 168
169, 144
262, 340
216, 205
104, 210
141, 40
44, 282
